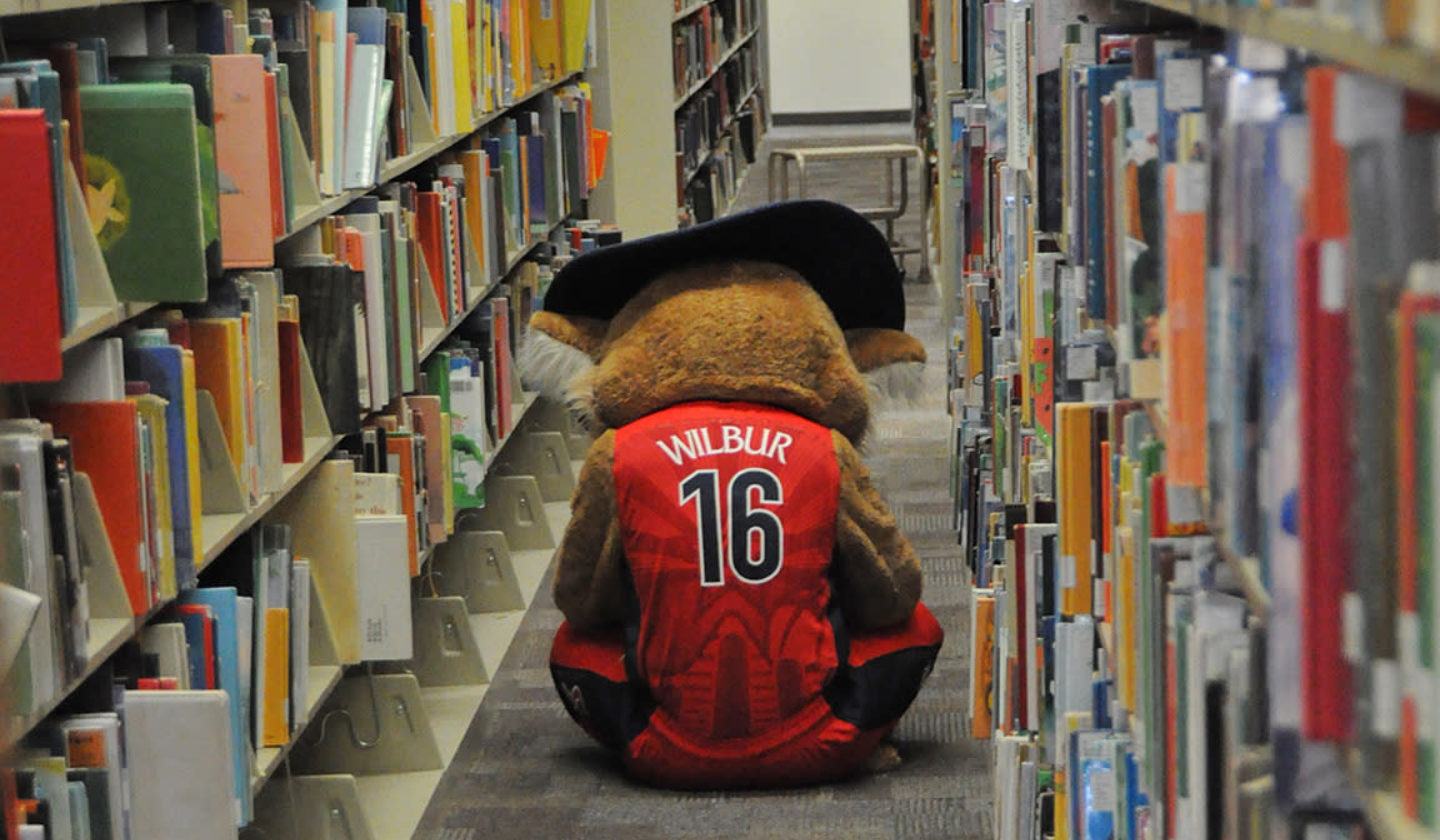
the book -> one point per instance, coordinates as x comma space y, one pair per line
146, 205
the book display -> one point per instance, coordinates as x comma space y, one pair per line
1190, 255
266, 463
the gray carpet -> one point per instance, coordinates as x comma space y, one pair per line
525, 770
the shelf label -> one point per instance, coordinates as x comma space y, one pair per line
1332, 275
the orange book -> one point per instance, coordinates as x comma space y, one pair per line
982, 661
105, 442
402, 448
275, 728
430, 225
219, 369
1185, 186
247, 235
1074, 497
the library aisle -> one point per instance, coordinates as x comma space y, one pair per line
523, 770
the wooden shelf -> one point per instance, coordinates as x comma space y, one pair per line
94, 320
1248, 570
719, 63
322, 681
1413, 66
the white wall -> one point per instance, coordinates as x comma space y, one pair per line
839, 55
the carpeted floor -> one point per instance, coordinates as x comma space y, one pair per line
525, 770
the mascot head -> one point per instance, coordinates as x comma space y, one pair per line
797, 305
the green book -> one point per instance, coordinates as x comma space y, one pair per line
192, 70
142, 161
1427, 416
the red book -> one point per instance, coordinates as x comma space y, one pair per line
29, 274
278, 223
292, 411
104, 440
1159, 508
430, 222
10, 816
207, 643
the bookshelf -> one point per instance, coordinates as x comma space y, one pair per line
511, 184
638, 81
1244, 448
1331, 38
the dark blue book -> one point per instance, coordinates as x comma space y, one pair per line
1101, 81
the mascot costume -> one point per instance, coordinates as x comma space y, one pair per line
741, 609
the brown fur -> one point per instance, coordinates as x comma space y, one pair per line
873, 348
749, 332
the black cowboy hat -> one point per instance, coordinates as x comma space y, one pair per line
837, 251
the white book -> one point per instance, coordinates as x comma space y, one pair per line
377, 494
368, 225
245, 635
366, 74
269, 446
299, 641
379, 131
180, 792
383, 577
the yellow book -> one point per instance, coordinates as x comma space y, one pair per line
1073, 495
520, 47
275, 728
192, 446
220, 369
460, 65
547, 60
152, 410
574, 30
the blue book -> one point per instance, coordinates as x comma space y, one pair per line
1101, 80
151, 358
1135, 798
367, 23
535, 181
222, 601
194, 624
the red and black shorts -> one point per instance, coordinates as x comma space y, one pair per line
829, 740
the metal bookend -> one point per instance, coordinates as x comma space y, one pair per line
445, 648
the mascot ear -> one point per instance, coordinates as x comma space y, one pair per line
892, 361
558, 350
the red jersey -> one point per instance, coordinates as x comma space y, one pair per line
728, 516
